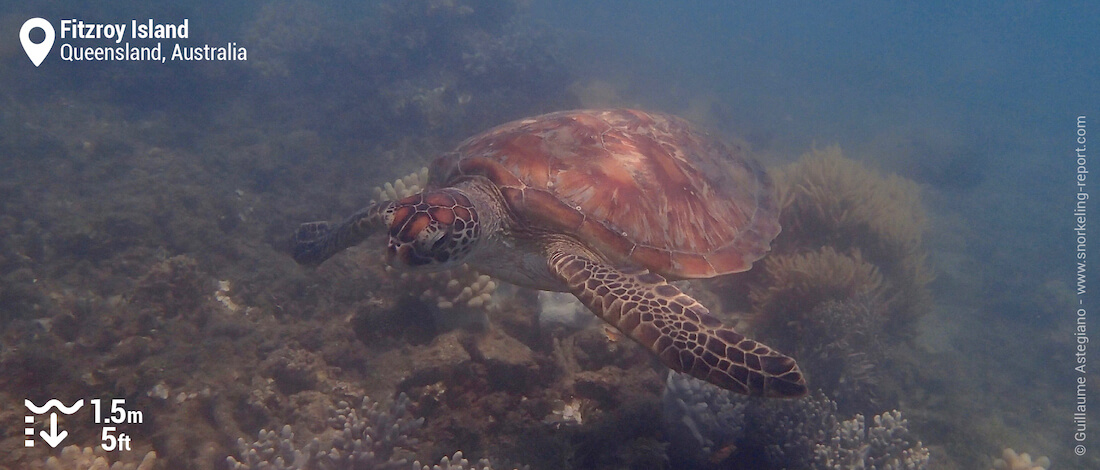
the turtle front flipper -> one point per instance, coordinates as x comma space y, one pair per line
677, 328
315, 242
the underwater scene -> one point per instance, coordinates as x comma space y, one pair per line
548, 235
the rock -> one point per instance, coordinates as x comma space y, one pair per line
510, 363
438, 361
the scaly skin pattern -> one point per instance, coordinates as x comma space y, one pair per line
675, 327
315, 242
433, 227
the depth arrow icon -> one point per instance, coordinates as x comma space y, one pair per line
53, 438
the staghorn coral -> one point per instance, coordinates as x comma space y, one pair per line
831, 201
1010, 460
368, 437
886, 445
77, 458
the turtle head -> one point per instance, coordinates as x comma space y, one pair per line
433, 230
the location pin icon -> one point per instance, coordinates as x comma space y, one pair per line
37, 52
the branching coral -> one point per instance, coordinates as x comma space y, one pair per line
77, 458
844, 347
460, 288
403, 187
367, 437
273, 451
371, 437
1010, 460
456, 462
788, 430
803, 433
886, 445
702, 419
721, 423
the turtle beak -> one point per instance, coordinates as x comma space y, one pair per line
397, 253
403, 255
391, 253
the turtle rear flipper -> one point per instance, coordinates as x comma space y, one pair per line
677, 328
309, 243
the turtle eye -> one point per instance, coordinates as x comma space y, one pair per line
436, 239
440, 244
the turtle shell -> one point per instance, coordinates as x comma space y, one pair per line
643, 188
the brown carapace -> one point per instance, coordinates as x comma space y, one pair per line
604, 204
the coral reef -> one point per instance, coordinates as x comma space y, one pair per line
846, 276
143, 258
273, 451
457, 291
850, 356
409, 66
781, 433
458, 288
831, 201
702, 420
455, 462
788, 431
402, 187
571, 413
796, 283
841, 340
886, 445
709, 425
77, 458
1010, 460
370, 437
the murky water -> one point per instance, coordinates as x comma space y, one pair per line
931, 162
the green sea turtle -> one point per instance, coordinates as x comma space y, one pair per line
606, 205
